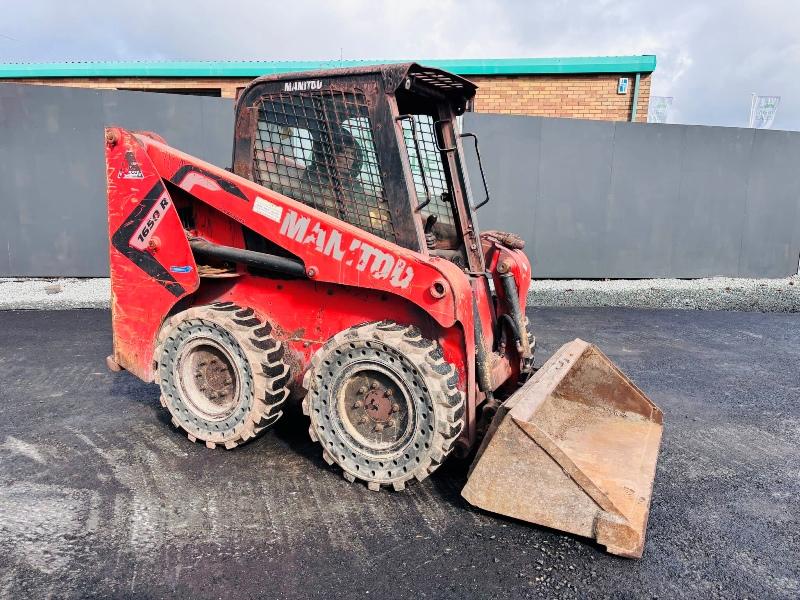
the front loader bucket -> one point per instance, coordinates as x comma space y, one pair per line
574, 449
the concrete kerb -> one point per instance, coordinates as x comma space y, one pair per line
717, 293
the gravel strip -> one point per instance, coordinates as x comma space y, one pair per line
717, 293
54, 294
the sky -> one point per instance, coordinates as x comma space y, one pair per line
712, 55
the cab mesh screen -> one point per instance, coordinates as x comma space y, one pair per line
317, 147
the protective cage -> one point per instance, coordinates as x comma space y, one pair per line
367, 145
318, 147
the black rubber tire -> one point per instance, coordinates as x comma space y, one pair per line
429, 384
256, 361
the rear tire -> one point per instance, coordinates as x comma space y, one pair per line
222, 374
383, 404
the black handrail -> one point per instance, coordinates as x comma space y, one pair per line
480, 166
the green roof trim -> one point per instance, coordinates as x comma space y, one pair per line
470, 66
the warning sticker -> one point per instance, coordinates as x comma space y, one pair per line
266, 208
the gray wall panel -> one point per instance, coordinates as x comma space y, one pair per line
644, 188
592, 199
519, 137
769, 244
52, 167
711, 204
574, 187
630, 200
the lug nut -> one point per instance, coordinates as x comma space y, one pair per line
374, 385
358, 404
228, 381
389, 393
363, 419
362, 390
391, 423
395, 407
212, 395
379, 427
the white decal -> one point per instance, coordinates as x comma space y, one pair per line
134, 173
334, 246
267, 209
379, 264
367, 252
316, 237
141, 237
402, 274
302, 86
134, 170
382, 265
294, 226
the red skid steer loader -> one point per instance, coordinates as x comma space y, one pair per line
340, 264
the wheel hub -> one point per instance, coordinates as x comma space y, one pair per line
209, 379
375, 407
378, 404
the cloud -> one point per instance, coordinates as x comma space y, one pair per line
711, 55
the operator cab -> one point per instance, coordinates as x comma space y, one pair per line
374, 146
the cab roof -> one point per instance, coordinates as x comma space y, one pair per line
394, 76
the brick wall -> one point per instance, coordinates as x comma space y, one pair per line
576, 96
226, 86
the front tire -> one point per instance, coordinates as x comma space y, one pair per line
383, 404
222, 374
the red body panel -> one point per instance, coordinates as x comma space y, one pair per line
151, 267
332, 250
305, 314
353, 276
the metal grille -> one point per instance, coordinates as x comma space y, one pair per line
443, 81
317, 147
430, 158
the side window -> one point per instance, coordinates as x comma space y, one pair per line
368, 175
317, 148
426, 160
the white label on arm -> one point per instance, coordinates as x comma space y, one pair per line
266, 208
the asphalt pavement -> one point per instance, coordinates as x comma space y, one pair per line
100, 496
